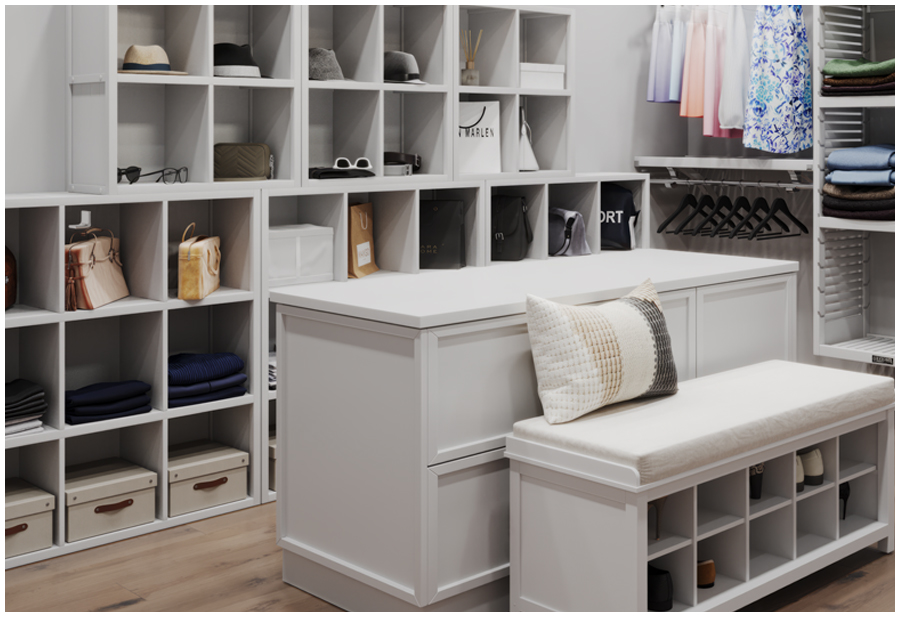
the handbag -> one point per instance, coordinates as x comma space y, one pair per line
235, 162
567, 233
12, 281
94, 271
527, 160
361, 258
617, 218
199, 261
510, 229
442, 234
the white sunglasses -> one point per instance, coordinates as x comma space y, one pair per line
343, 162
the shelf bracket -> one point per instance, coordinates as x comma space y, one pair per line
89, 78
672, 176
85, 222
795, 181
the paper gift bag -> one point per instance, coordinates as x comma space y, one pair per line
361, 260
478, 138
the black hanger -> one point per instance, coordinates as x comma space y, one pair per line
779, 205
723, 202
759, 204
705, 204
741, 204
686, 201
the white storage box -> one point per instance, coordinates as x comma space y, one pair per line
203, 474
542, 76
300, 254
29, 518
272, 457
108, 495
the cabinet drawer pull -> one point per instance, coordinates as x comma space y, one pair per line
112, 507
211, 484
17, 529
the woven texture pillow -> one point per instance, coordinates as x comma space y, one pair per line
592, 356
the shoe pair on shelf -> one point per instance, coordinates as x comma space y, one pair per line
661, 590
810, 470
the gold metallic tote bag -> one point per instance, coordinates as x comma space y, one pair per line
199, 259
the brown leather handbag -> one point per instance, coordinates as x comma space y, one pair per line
12, 280
94, 275
199, 259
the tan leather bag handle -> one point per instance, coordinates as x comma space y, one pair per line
185, 234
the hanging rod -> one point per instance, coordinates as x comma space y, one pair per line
788, 186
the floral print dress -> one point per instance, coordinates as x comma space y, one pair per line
778, 117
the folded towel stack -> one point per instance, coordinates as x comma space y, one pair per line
273, 371
860, 184
25, 407
204, 377
107, 400
858, 78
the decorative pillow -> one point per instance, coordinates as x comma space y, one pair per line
587, 357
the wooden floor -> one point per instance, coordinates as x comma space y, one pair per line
231, 563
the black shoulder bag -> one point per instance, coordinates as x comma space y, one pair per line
510, 230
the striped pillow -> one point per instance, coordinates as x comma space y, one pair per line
587, 357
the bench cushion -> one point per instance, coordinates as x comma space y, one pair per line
715, 417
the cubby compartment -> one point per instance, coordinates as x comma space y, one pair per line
778, 486
142, 445
681, 565
858, 452
323, 210
214, 329
164, 126
344, 123
729, 552
257, 115
139, 229
611, 214
771, 541
497, 60
267, 29
817, 520
396, 228
233, 222
471, 198
115, 349
536, 202
414, 123
828, 451
182, 31
32, 235
675, 517
352, 32
38, 464
32, 353
420, 31
861, 507
583, 198
509, 135
721, 504
548, 117
543, 39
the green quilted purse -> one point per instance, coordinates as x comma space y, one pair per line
242, 162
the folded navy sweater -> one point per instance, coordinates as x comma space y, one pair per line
209, 396
105, 409
105, 392
191, 368
85, 419
204, 387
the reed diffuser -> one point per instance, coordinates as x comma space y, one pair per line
469, 75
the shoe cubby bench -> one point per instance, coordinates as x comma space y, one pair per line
585, 514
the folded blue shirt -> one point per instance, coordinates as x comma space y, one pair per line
865, 157
105, 392
109, 408
190, 368
206, 386
871, 177
209, 396
122, 414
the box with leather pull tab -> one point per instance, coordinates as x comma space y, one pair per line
29, 518
204, 474
106, 496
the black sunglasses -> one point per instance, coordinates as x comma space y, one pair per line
169, 175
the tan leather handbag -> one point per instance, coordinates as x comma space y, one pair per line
94, 270
199, 259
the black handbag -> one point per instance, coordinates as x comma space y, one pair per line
510, 229
618, 217
442, 235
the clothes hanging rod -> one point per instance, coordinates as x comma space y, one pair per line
788, 186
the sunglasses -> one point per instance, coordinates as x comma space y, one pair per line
343, 162
169, 175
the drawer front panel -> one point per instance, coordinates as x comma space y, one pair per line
207, 491
679, 308
82, 521
29, 533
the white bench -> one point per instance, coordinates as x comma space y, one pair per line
579, 532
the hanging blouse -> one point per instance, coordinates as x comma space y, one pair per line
712, 81
735, 70
778, 116
694, 58
660, 57
676, 68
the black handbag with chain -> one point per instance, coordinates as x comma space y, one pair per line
442, 234
510, 229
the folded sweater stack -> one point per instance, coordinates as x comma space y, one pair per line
273, 371
204, 377
25, 407
858, 78
860, 184
107, 400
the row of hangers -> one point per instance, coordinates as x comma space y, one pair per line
722, 218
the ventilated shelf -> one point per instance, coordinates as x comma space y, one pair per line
863, 349
715, 162
836, 102
830, 222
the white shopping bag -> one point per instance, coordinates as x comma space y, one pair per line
478, 138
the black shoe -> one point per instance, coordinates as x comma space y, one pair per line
756, 476
844, 493
660, 590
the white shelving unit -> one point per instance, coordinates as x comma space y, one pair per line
854, 283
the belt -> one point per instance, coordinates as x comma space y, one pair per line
401, 158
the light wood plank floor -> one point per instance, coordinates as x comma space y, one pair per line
231, 563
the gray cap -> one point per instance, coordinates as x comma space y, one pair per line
400, 66
323, 65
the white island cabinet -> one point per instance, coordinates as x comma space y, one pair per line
396, 393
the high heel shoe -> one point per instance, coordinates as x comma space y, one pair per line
756, 477
657, 504
844, 493
813, 469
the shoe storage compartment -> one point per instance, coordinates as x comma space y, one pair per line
858, 455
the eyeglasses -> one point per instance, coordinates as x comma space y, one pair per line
169, 175
343, 162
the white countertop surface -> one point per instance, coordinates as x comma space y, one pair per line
441, 297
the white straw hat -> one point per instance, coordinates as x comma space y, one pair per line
148, 59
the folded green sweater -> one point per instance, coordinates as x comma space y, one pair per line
858, 68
